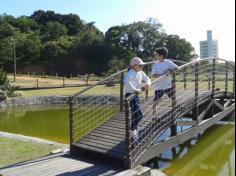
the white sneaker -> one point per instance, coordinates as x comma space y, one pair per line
134, 133
135, 136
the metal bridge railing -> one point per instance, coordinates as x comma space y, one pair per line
193, 84
94, 105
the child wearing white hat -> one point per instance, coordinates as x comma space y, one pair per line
133, 85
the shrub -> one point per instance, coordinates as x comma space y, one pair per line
10, 89
3, 77
3, 96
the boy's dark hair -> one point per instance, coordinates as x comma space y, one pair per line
162, 51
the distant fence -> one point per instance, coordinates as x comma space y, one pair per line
40, 81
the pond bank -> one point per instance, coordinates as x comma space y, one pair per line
33, 140
32, 101
55, 100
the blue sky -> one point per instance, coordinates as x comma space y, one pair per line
190, 19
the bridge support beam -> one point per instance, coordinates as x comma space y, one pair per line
171, 142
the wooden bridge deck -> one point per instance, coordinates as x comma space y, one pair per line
60, 165
109, 138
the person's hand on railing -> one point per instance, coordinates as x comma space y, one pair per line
138, 91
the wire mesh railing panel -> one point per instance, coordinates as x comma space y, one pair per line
96, 105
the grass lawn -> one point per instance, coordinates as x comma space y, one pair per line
98, 90
47, 92
13, 151
102, 90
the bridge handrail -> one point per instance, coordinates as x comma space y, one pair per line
99, 82
115, 74
181, 67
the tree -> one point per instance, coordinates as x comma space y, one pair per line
71, 21
179, 48
143, 38
29, 48
6, 30
6, 52
140, 38
73, 24
25, 24
54, 30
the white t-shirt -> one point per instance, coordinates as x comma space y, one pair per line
133, 81
162, 68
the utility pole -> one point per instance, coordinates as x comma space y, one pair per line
14, 58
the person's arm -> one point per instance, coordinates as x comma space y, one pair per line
148, 82
146, 79
136, 91
173, 67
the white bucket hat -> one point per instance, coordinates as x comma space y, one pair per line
136, 61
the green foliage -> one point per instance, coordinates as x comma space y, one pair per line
3, 77
141, 39
11, 89
6, 89
179, 48
53, 30
65, 44
3, 81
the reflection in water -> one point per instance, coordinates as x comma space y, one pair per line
50, 123
211, 154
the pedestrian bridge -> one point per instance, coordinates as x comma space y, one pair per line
100, 116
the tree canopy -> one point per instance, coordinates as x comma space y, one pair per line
66, 44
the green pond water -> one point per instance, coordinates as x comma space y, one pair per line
210, 154
51, 123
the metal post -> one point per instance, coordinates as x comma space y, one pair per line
121, 92
185, 78
63, 79
234, 82
226, 77
209, 78
213, 77
195, 111
87, 80
128, 135
71, 121
174, 103
37, 83
213, 84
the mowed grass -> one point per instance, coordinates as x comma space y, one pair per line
13, 151
48, 92
98, 90
103, 90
